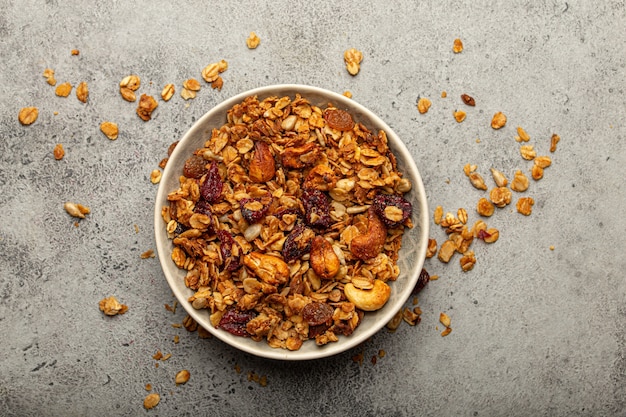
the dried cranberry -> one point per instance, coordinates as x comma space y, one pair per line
298, 243
317, 208
230, 250
195, 167
483, 234
211, 188
203, 207
234, 322
280, 213
317, 313
423, 279
382, 201
253, 216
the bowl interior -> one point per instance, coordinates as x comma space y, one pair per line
414, 241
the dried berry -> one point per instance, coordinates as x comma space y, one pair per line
298, 243
469, 100
393, 210
230, 250
483, 234
316, 314
195, 167
317, 208
423, 279
253, 209
234, 322
203, 207
280, 213
339, 119
211, 188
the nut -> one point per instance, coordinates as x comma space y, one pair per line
167, 92
63, 90
553, 141
525, 205
253, 41
28, 115
423, 104
370, 244
151, 401
182, 377
352, 58
111, 307
76, 210
459, 116
457, 46
520, 182
147, 104
499, 178
82, 92
500, 196
109, 129
368, 300
270, 269
498, 121
262, 165
522, 136
323, 258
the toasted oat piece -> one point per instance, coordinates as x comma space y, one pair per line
111, 307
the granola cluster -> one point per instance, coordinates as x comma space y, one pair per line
289, 221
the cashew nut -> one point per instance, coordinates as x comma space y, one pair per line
368, 300
270, 269
370, 244
323, 258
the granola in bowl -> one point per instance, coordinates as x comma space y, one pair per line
291, 222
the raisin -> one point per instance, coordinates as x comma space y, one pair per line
469, 100
382, 201
235, 322
315, 331
297, 243
339, 119
316, 314
211, 188
423, 279
317, 208
230, 250
195, 167
203, 207
253, 209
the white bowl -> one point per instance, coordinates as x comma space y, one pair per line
414, 242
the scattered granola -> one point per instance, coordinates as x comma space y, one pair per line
468, 100
498, 121
155, 176
459, 116
520, 182
58, 152
352, 58
167, 92
110, 130
522, 136
63, 90
111, 307
457, 46
253, 41
528, 152
554, 139
151, 401
182, 377
147, 254
289, 222
76, 210
423, 104
75, 52
48, 73
82, 92
525, 205
484, 207
147, 104
128, 86
28, 115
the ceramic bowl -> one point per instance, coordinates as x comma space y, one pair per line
411, 255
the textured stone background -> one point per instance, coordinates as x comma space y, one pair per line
535, 331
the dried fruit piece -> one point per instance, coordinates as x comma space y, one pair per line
316, 314
151, 401
63, 90
195, 167
352, 58
554, 139
28, 115
468, 100
525, 205
457, 46
147, 104
253, 209
316, 208
82, 92
338, 119
520, 182
393, 210
423, 104
298, 243
459, 116
253, 41
422, 281
484, 207
229, 250
58, 152
498, 121
110, 129
111, 307
167, 92
323, 258
262, 165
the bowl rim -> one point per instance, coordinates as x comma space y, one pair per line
344, 343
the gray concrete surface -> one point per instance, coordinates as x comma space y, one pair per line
535, 331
